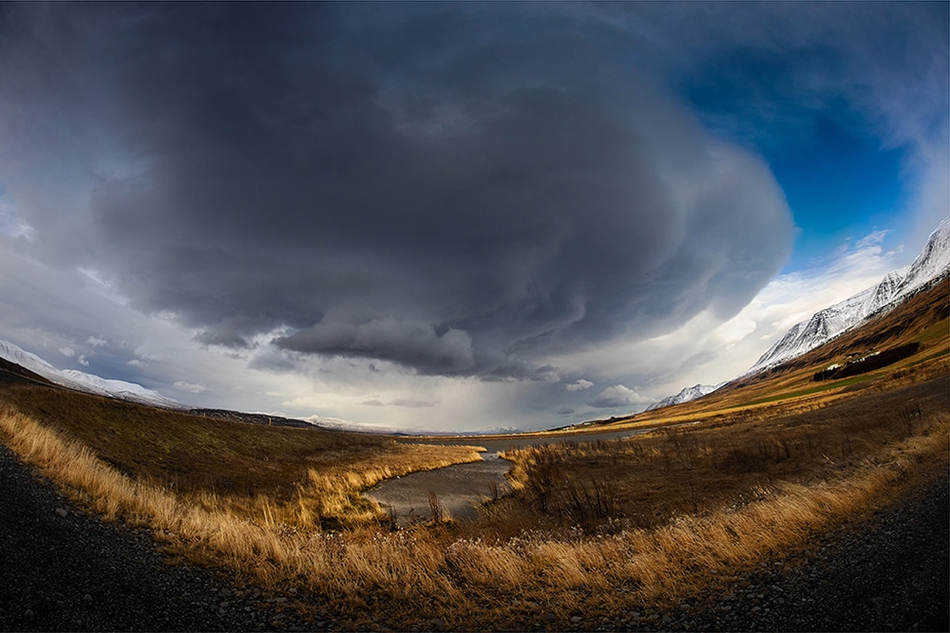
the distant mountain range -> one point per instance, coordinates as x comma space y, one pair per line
687, 394
932, 263
82, 381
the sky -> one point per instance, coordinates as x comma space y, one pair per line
451, 216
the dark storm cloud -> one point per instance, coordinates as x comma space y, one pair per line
460, 190
387, 339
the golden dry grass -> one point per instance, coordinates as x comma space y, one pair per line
446, 571
646, 480
305, 478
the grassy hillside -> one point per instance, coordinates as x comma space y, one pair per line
924, 319
311, 473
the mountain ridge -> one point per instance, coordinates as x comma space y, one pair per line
932, 263
81, 381
685, 395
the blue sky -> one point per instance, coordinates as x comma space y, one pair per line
839, 183
455, 216
841, 175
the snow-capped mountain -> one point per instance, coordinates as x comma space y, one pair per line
932, 263
885, 292
687, 394
26, 360
120, 389
82, 381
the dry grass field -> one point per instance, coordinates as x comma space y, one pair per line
305, 478
592, 527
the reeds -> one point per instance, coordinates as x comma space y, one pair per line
445, 571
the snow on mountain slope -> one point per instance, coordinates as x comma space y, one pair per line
932, 263
886, 291
687, 394
82, 381
26, 360
120, 389
822, 326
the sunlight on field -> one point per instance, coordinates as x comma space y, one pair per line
582, 548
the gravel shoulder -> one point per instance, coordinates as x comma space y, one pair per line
64, 570
887, 572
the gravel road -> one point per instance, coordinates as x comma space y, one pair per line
61, 569
888, 572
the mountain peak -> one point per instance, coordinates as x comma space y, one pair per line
932, 263
82, 381
687, 394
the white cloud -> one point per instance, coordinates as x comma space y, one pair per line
873, 239
618, 396
579, 385
190, 387
415, 402
163, 355
42, 305
708, 350
12, 224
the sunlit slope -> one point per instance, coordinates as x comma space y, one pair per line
924, 319
236, 462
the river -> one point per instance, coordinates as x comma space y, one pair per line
461, 489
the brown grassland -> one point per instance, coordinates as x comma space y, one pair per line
592, 527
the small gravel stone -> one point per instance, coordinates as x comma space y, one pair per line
49, 552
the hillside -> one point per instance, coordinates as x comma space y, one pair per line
14, 373
931, 264
923, 318
80, 381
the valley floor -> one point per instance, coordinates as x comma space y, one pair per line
61, 569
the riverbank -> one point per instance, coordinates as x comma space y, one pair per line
66, 570
450, 493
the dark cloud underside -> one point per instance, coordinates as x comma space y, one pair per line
458, 190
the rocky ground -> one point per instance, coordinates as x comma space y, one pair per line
61, 569
888, 572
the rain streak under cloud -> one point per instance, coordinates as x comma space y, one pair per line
443, 195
